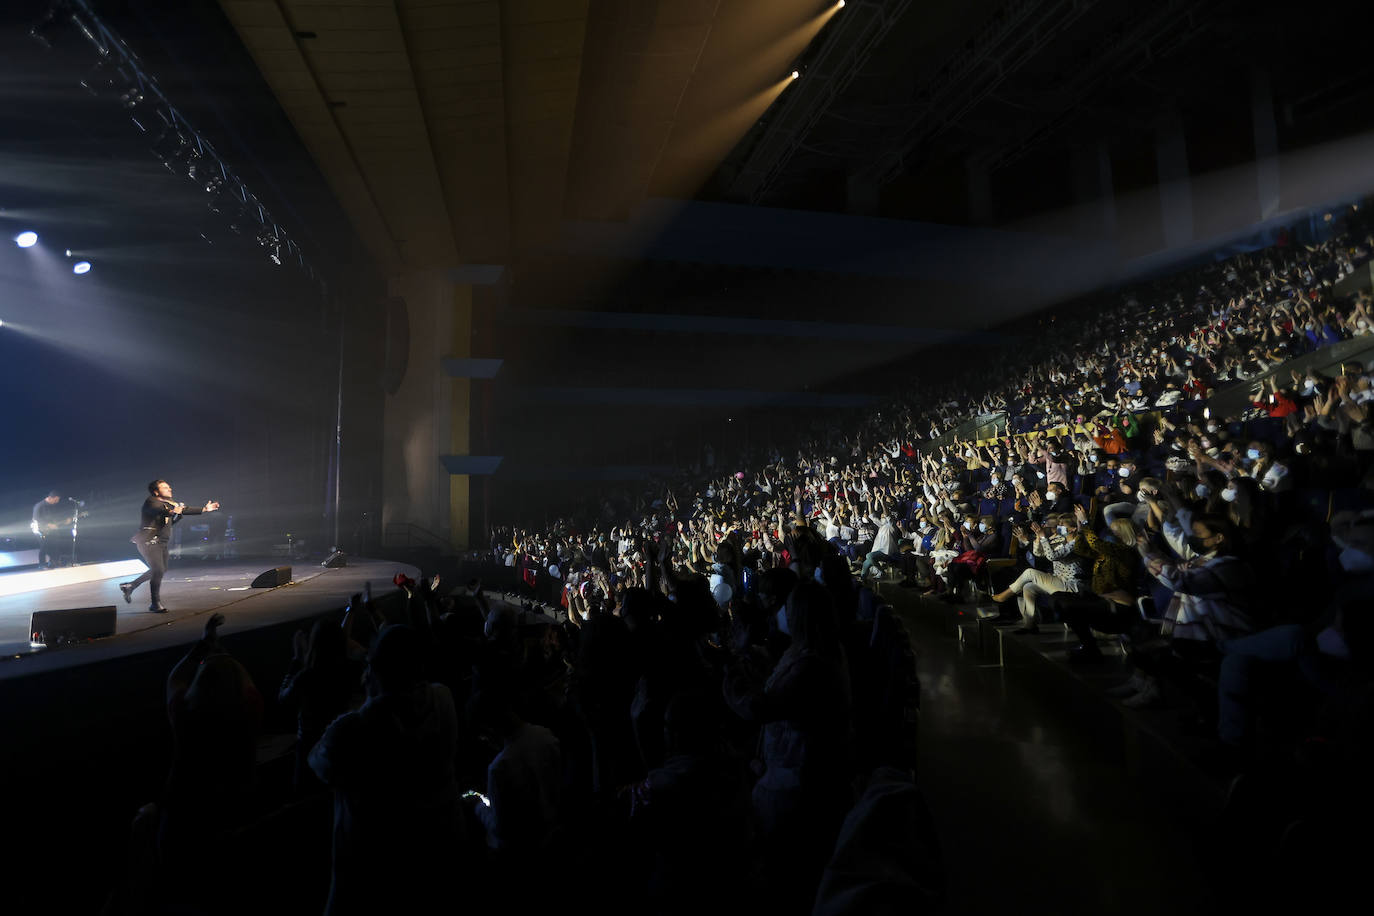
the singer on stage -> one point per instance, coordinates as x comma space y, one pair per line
160, 513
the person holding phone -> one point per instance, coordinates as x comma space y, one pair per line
160, 512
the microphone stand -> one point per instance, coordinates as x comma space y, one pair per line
76, 522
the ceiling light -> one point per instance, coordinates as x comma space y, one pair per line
81, 267
26, 239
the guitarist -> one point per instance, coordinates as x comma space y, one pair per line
160, 513
49, 517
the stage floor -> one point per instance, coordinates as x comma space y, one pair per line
191, 590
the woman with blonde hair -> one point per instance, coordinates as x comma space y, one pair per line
1109, 607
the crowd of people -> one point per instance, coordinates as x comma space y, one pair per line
723, 705
1229, 552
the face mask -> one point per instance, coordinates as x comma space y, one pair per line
1198, 544
924, 525
1229, 495
982, 528
1211, 427
1123, 472
1051, 496
1040, 475
1356, 561
1202, 490
1252, 453
968, 525
996, 481
1062, 529
1301, 448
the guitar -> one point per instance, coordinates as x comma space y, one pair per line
50, 527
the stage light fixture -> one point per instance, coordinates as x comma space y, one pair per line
796, 74
840, 5
26, 239
81, 267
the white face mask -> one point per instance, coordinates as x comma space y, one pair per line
1051, 496
1229, 494
1040, 475
968, 525
1202, 490
1062, 529
982, 527
996, 481
924, 525
1211, 427
1252, 453
1123, 472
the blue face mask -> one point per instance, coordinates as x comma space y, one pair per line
982, 527
1252, 453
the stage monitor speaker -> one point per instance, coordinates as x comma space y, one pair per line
69, 626
273, 577
335, 560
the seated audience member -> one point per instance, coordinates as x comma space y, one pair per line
686, 811
1108, 605
1055, 544
215, 713
520, 808
1214, 598
391, 767
803, 708
321, 684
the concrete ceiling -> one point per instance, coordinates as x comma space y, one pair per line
461, 132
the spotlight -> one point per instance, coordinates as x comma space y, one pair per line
26, 239
840, 5
81, 267
69, 252
796, 74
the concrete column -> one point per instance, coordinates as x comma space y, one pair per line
1266, 143
428, 415
1175, 186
